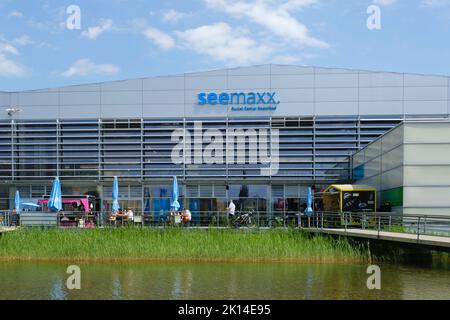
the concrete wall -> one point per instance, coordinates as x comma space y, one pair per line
303, 91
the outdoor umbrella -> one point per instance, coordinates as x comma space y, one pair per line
147, 203
175, 204
115, 195
55, 201
17, 201
309, 200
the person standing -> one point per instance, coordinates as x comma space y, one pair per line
231, 211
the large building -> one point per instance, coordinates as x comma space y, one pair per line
301, 123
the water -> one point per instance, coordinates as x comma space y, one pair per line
220, 281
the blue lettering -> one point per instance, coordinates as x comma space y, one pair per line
237, 98
201, 99
251, 98
271, 98
223, 98
261, 98
212, 99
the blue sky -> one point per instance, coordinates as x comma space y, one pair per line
122, 39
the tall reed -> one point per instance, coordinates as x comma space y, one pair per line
177, 244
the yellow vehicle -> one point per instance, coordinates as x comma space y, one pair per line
346, 199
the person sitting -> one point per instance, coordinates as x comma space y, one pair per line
112, 218
13, 217
187, 216
121, 216
130, 215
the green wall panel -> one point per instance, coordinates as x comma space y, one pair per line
392, 196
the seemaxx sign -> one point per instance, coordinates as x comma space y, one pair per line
240, 101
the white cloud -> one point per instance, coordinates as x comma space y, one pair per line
274, 16
385, 3
159, 38
15, 14
85, 67
286, 59
8, 67
435, 3
220, 42
94, 32
7, 48
23, 40
173, 16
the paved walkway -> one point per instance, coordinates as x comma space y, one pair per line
436, 241
7, 229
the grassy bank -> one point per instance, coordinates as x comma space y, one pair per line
130, 244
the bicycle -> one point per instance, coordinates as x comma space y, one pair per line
244, 219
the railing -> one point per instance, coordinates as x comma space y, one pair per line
212, 218
4, 219
379, 221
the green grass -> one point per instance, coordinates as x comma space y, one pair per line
176, 244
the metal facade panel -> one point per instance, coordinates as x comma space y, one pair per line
38, 98
425, 107
248, 82
125, 85
5, 99
163, 97
295, 95
292, 81
121, 111
293, 109
426, 93
381, 108
312, 91
336, 108
79, 98
38, 113
206, 83
252, 70
164, 83
380, 79
290, 70
417, 80
381, 93
121, 97
169, 110
90, 111
336, 94
344, 80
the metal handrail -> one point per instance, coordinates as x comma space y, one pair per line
377, 221
382, 222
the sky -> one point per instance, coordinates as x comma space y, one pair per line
46, 44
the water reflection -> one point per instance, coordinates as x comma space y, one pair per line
220, 281
57, 289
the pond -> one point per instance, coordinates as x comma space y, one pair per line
27, 280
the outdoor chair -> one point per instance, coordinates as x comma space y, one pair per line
112, 220
137, 220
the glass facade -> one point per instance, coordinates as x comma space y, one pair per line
87, 154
